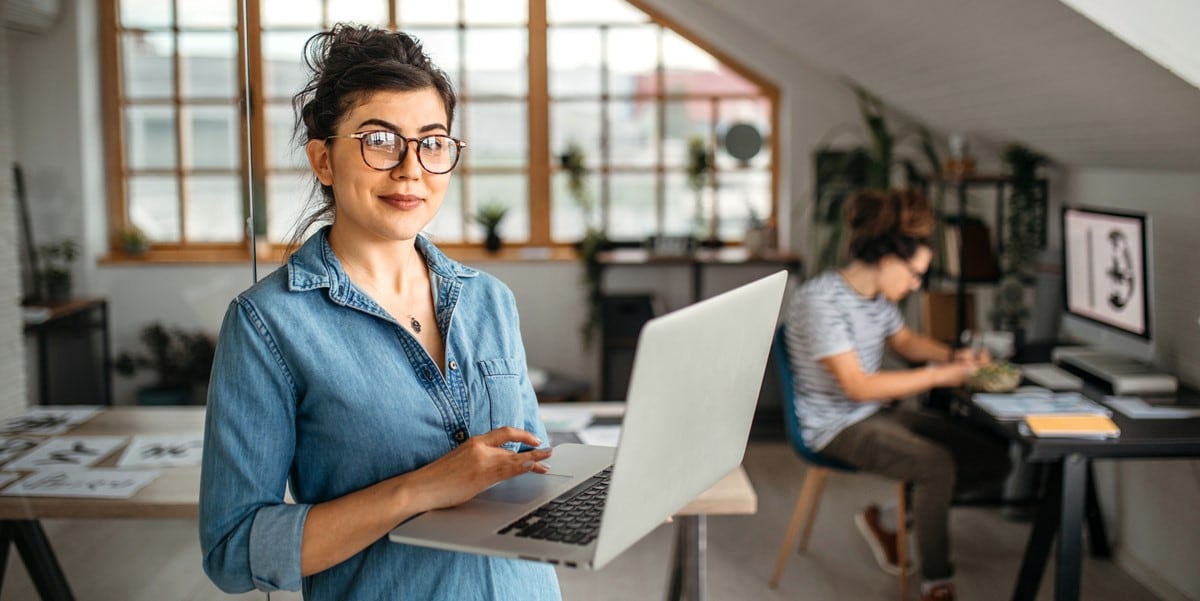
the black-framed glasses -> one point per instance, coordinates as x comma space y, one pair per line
383, 150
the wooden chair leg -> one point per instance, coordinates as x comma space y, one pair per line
810, 504
810, 492
902, 538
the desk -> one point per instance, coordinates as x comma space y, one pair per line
1065, 505
175, 494
74, 316
697, 261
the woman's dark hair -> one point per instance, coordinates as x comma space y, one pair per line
896, 222
346, 64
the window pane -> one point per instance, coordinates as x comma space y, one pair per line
145, 13
291, 13
283, 65
212, 136
633, 133
685, 211
447, 226
146, 64
366, 12
442, 47
631, 206
423, 12
567, 222
684, 121
214, 208
149, 137
497, 134
579, 123
632, 60
282, 153
154, 206
681, 55
574, 61
497, 62
511, 191
593, 11
741, 194
209, 65
477, 12
206, 13
288, 197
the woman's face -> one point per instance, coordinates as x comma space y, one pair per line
388, 205
898, 277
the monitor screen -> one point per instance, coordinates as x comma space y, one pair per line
1105, 269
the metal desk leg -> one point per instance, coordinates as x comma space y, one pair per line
39, 559
1041, 537
1097, 533
1070, 528
689, 567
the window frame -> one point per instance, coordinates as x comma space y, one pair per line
539, 170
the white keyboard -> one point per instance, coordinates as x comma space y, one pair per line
1049, 375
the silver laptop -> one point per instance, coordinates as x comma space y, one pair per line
693, 390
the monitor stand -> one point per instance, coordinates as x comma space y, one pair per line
1122, 374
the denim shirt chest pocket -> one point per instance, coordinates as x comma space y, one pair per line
500, 380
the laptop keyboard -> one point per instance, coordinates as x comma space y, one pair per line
572, 517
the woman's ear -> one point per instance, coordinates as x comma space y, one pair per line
320, 161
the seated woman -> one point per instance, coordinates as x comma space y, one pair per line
838, 325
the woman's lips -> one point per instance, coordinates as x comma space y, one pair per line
402, 201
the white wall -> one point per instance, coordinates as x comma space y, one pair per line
1152, 504
12, 353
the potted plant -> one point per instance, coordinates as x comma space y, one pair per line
134, 241
1023, 237
574, 163
56, 259
181, 361
699, 176
489, 216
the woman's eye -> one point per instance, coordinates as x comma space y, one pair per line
380, 140
433, 143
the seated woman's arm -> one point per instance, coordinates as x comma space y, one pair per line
919, 348
862, 386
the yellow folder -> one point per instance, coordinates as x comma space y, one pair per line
1072, 425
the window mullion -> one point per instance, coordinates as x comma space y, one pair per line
538, 102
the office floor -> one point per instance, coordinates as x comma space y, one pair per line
160, 559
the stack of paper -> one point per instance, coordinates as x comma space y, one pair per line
1035, 401
1072, 425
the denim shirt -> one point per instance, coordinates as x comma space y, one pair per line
316, 387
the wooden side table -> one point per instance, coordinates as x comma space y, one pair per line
74, 316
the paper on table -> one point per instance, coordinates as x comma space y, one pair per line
1029, 401
50, 421
75, 482
605, 436
68, 451
1072, 425
13, 446
6, 477
1137, 408
166, 450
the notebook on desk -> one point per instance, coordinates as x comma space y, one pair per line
1072, 425
691, 400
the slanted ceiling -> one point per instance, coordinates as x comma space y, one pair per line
1030, 71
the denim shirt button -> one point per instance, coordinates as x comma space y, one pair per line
453, 365
460, 435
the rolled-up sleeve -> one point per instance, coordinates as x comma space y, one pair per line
250, 538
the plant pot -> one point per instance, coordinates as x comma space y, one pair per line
58, 288
160, 396
492, 242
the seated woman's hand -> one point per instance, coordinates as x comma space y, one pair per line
476, 464
980, 357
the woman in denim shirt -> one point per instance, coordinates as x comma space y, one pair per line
372, 374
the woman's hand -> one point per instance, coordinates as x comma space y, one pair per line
981, 357
476, 464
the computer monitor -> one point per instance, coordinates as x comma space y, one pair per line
1107, 281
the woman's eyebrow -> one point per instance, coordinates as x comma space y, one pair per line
396, 128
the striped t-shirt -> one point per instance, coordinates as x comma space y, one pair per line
827, 317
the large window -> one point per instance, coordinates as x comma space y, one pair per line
534, 77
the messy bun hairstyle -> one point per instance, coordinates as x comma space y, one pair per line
346, 64
896, 222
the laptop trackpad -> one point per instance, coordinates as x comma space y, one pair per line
522, 489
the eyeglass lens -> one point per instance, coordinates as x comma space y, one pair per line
384, 150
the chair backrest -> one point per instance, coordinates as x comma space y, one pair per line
792, 423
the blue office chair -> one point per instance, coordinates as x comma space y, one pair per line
819, 469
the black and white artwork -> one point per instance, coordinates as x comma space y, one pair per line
68, 451
76, 482
163, 451
49, 421
1105, 270
12, 447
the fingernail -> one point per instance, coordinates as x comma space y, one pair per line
537, 442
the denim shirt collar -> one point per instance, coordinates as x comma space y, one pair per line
316, 266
